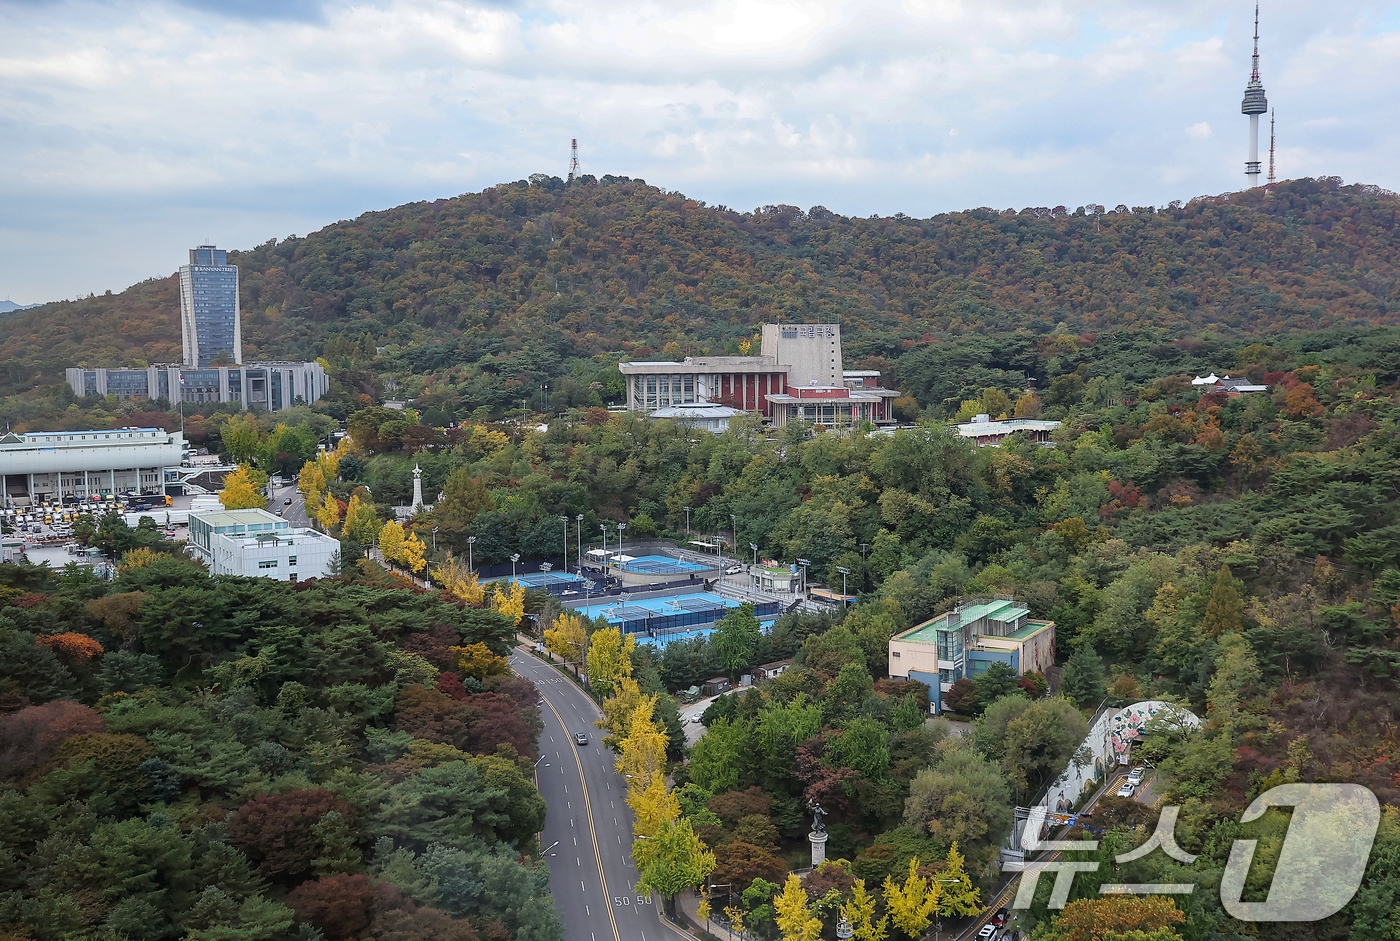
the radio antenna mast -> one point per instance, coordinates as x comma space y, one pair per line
573, 161
1271, 147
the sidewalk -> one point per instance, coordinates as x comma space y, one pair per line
688, 907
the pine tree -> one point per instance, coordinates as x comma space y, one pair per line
1082, 681
336, 842
1224, 610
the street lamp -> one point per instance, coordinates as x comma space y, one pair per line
578, 533
734, 531
844, 573
565, 556
804, 563
863, 547
687, 522
844, 929
435, 529
754, 547
620, 528
471, 541
515, 557
604, 528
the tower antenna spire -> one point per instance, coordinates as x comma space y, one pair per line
1271, 147
573, 161
1254, 104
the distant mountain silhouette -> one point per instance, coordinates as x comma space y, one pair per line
9, 307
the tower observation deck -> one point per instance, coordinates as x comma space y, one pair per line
1254, 104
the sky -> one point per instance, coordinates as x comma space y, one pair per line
132, 131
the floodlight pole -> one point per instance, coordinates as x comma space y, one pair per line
565, 557
687, 522
513, 559
844, 572
471, 541
804, 563
578, 532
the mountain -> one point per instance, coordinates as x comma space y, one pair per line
523, 277
9, 306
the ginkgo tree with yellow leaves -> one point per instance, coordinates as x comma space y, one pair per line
453, 577
609, 659
568, 637
244, 489
795, 919
509, 599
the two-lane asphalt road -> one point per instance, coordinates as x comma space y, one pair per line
588, 830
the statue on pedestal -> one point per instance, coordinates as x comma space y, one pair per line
817, 814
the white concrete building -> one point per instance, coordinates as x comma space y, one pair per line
270, 386
51, 465
259, 544
700, 414
990, 434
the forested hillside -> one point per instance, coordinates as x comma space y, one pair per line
230, 759
515, 285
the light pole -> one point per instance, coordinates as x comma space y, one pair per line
564, 559
863, 547
620, 528
753, 572
435, 529
514, 559
604, 528
687, 522
734, 531
804, 563
578, 533
471, 541
844, 573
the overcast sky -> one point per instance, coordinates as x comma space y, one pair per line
131, 131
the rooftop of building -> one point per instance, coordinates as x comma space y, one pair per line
221, 518
697, 410
83, 437
993, 609
984, 425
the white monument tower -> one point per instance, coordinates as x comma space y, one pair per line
417, 489
1254, 105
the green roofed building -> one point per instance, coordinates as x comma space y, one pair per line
967, 640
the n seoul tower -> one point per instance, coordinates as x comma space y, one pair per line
1254, 105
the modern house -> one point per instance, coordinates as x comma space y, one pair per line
1232, 387
966, 641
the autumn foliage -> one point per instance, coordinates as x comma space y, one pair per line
275, 830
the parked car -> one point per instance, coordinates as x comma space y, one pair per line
989, 932
1127, 789
697, 717
580, 738
1000, 917
1136, 775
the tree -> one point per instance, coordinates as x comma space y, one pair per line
642, 753
860, 913
609, 659
911, 904
568, 638
453, 577
996, 681
1033, 739
652, 806
361, 522
328, 515
1224, 611
1096, 919
720, 759
1082, 680
1027, 406
795, 920
391, 540
735, 637
278, 831
961, 798
509, 599
959, 898
672, 860
244, 489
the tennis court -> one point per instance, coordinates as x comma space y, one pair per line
659, 565
552, 582
664, 619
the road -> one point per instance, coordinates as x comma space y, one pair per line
296, 513
588, 830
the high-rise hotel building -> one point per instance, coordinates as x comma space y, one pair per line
209, 321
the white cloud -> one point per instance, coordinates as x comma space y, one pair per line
150, 126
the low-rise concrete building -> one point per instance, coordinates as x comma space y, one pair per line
966, 641
990, 434
700, 414
270, 386
259, 544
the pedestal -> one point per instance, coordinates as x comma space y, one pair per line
818, 848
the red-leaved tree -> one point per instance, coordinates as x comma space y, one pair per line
275, 829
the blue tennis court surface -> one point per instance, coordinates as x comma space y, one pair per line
661, 565
662, 620
552, 582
